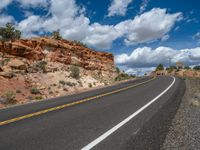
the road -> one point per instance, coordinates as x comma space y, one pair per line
99, 119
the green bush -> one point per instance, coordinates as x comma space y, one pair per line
9, 97
75, 72
41, 65
35, 91
9, 32
90, 85
56, 35
38, 97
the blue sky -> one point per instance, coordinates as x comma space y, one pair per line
140, 33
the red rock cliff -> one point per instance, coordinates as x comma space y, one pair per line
63, 51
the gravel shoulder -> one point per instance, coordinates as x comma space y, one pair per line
184, 133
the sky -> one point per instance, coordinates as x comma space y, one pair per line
140, 33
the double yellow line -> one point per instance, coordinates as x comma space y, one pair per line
70, 104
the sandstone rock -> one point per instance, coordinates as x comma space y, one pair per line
17, 64
62, 51
7, 74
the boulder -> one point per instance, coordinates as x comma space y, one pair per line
17, 64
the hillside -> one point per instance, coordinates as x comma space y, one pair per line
41, 68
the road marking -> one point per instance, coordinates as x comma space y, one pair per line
70, 104
109, 132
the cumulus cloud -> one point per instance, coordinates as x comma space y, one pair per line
148, 57
150, 26
118, 7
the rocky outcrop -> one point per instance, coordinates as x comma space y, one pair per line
63, 51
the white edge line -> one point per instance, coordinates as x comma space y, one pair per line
109, 132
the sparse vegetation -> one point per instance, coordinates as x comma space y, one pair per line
9, 97
75, 72
9, 32
41, 65
118, 70
18, 91
70, 84
56, 35
35, 91
62, 82
123, 76
187, 67
38, 97
196, 68
90, 85
80, 43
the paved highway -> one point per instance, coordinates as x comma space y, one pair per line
99, 119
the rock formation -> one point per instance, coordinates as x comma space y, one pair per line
63, 51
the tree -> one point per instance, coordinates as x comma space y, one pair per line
9, 32
196, 68
56, 35
159, 67
118, 70
187, 67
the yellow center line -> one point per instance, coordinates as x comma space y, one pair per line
70, 104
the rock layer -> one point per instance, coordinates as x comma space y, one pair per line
63, 51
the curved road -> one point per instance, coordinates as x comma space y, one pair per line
99, 119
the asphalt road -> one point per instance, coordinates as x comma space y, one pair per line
105, 122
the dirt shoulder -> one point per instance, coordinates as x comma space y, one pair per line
184, 132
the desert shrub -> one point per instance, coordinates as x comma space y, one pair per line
70, 84
123, 76
75, 72
90, 85
62, 82
56, 35
80, 43
35, 91
18, 91
38, 97
9, 32
9, 97
41, 65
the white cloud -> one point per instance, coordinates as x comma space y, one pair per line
5, 19
33, 3
148, 57
140, 71
143, 6
118, 7
4, 4
197, 37
101, 35
150, 26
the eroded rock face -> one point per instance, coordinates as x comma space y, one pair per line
63, 51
